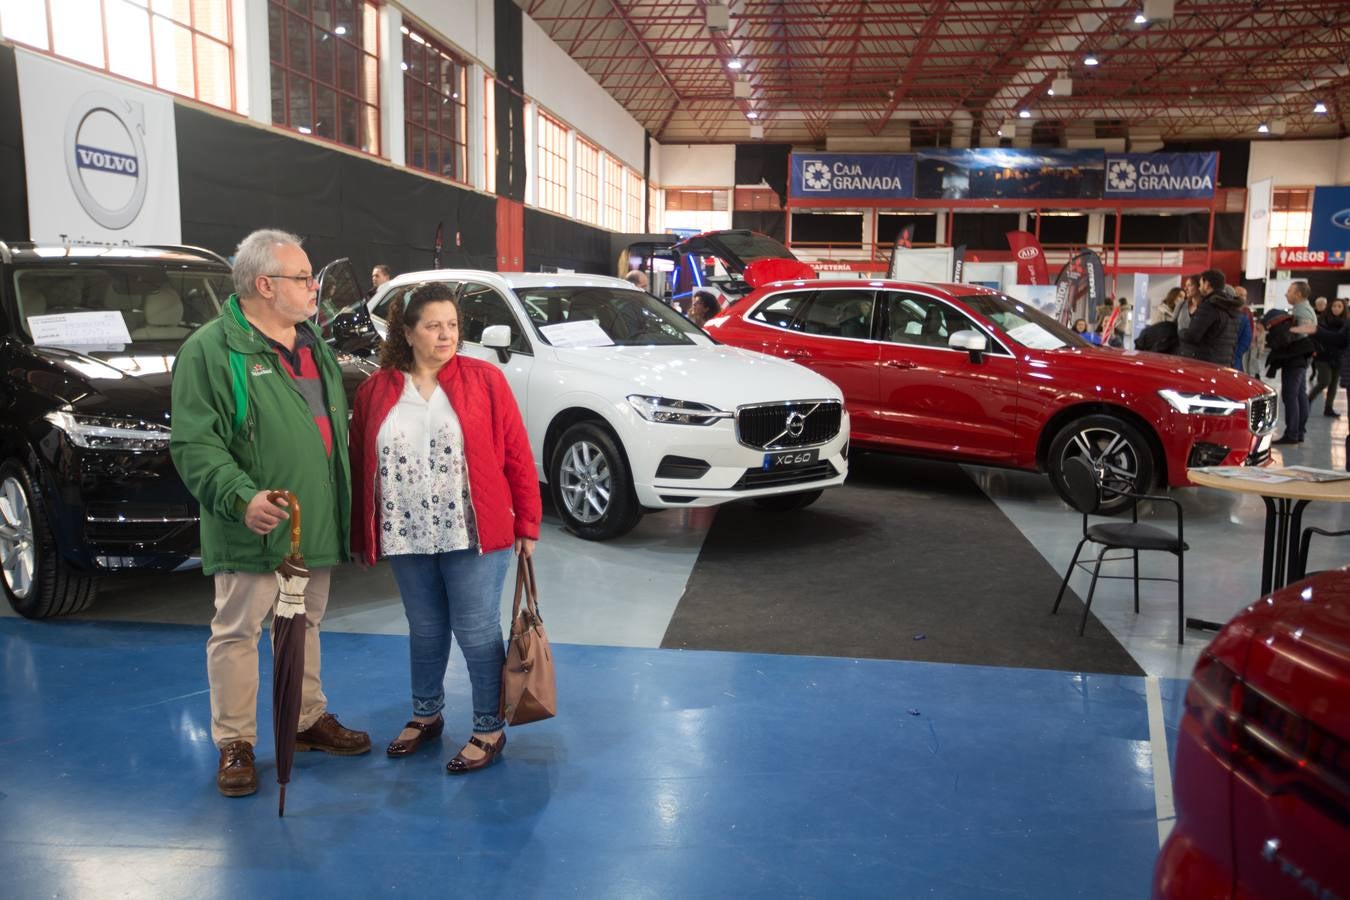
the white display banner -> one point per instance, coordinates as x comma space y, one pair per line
1259, 197
101, 157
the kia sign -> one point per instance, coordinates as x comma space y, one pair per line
1031, 268
1303, 258
1029, 253
100, 155
1330, 220
105, 148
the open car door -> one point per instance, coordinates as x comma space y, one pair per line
342, 316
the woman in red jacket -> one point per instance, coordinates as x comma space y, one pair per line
444, 485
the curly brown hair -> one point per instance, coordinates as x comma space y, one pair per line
405, 312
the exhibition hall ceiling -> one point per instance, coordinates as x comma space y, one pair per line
927, 72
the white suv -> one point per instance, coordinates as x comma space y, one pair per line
630, 407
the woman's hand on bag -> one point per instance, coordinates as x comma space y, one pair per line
525, 547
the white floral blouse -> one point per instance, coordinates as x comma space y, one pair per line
424, 482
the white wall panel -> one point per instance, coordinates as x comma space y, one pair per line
1343, 170
698, 165
563, 88
468, 24
1295, 163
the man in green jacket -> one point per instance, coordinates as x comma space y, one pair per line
258, 406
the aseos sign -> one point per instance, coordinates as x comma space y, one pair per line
1303, 258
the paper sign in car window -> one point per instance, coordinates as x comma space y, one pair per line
1034, 336
585, 333
79, 329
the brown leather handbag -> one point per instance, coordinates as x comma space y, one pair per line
529, 692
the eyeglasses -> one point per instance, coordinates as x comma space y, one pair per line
309, 280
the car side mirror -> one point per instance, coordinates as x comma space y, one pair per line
969, 340
498, 337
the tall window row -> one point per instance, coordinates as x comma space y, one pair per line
325, 69
325, 82
181, 46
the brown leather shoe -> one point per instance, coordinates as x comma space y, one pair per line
459, 765
426, 733
328, 735
236, 776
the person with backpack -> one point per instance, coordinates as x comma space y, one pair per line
258, 406
1211, 334
1289, 339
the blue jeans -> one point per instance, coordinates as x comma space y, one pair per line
1294, 393
455, 593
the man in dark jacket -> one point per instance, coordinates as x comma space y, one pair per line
1211, 335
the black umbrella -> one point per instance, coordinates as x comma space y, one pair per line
288, 649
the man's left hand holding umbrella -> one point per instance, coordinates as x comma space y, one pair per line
258, 405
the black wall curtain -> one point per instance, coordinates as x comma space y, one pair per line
826, 228
1060, 229
982, 231
888, 226
554, 241
764, 162
233, 178
772, 222
509, 46
14, 209
1186, 228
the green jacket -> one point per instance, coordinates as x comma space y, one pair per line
226, 368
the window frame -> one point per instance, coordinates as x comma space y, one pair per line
588, 182
551, 168
433, 49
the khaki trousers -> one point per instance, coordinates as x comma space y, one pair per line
243, 601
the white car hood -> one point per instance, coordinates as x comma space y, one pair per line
729, 376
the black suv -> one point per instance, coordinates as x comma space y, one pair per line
87, 342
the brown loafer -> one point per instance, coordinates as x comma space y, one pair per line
328, 735
236, 775
459, 765
426, 732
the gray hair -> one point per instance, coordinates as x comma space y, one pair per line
257, 255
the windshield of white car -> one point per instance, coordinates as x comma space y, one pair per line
617, 316
113, 306
1023, 322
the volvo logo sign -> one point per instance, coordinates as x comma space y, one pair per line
1341, 219
796, 424
105, 158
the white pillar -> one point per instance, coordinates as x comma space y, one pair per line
1096, 228
475, 132
571, 173
252, 60
392, 138
531, 151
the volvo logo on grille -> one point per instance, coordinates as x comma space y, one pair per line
796, 424
105, 158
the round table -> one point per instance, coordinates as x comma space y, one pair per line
1285, 502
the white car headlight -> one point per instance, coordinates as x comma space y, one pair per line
107, 433
1201, 404
675, 412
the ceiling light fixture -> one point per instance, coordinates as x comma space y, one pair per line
1090, 60
1263, 128
752, 115
341, 29
1320, 108
735, 64
1024, 114
999, 132
1051, 92
1140, 19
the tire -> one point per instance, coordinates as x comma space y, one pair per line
35, 580
591, 485
788, 502
1109, 440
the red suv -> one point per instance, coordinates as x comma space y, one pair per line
1262, 781
964, 373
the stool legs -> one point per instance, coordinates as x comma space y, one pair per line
1063, 585
1092, 589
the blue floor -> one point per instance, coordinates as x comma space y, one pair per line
666, 774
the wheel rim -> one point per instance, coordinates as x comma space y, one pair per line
18, 556
586, 482
1107, 451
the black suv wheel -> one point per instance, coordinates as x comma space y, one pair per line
37, 584
1108, 443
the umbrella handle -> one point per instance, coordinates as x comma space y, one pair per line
293, 504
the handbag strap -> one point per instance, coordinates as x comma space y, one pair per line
525, 586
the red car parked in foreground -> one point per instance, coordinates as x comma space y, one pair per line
1262, 782
964, 373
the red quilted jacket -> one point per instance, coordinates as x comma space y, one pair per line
503, 484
